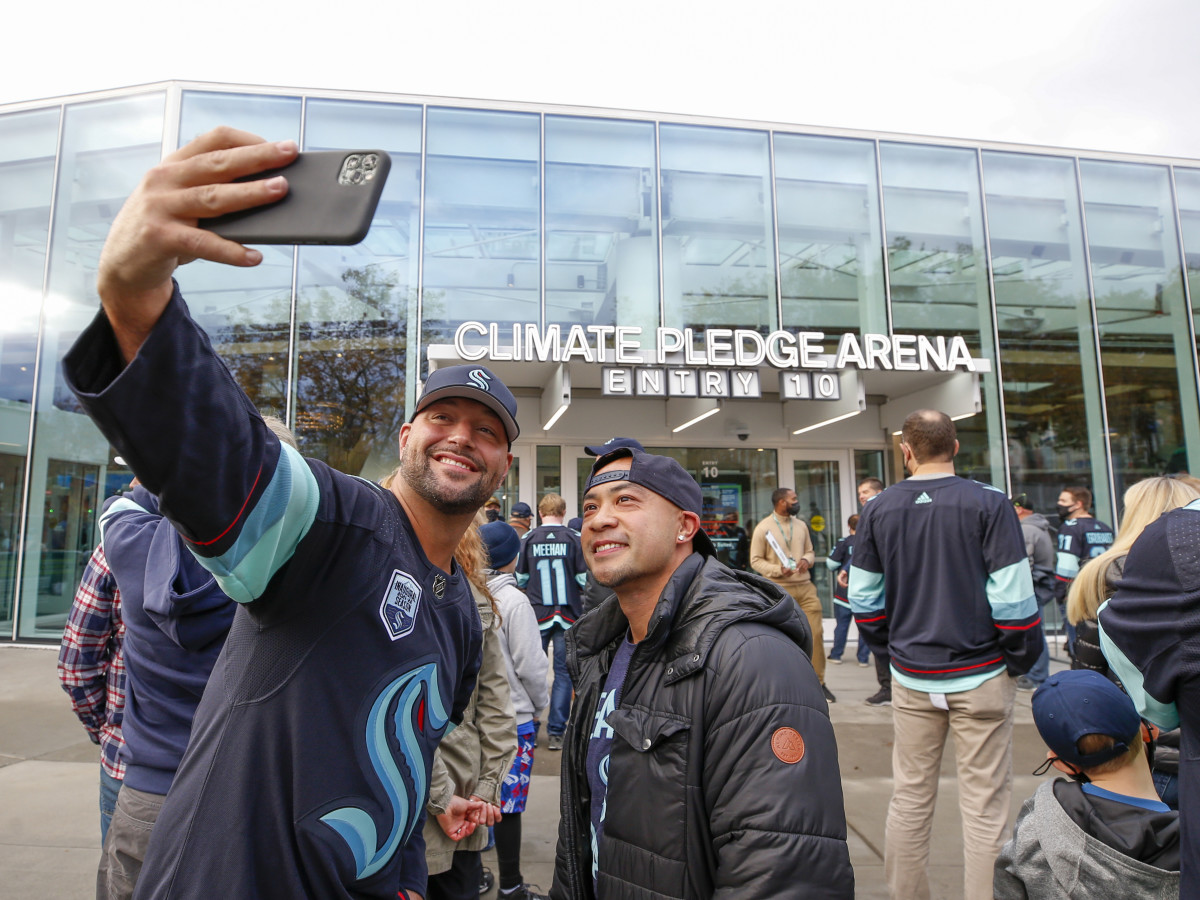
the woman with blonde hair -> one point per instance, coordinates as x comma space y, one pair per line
1097, 581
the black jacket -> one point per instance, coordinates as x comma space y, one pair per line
710, 794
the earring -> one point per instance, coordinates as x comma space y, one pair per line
681, 537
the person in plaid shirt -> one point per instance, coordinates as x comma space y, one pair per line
92, 672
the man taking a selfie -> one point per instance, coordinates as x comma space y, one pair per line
356, 643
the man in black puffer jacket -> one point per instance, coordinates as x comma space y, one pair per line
700, 760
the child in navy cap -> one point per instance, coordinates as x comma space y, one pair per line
1105, 833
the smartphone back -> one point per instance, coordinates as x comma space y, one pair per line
331, 199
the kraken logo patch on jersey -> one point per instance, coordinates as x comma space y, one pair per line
400, 604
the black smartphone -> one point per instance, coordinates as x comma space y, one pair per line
331, 199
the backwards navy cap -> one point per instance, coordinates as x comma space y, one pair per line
473, 383
660, 474
613, 444
1078, 702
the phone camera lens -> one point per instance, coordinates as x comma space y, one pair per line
370, 161
353, 161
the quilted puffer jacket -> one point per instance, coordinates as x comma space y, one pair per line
723, 776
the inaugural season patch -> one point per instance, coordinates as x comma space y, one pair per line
788, 745
400, 604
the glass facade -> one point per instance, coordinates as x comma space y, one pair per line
1076, 276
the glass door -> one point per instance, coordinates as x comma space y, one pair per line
822, 481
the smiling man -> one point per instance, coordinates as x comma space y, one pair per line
700, 759
356, 643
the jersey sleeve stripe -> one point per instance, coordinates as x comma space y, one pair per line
274, 528
1010, 593
1164, 715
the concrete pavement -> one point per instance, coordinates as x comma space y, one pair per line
49, 818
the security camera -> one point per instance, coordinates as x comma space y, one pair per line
743, 433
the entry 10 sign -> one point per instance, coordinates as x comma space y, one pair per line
653, 381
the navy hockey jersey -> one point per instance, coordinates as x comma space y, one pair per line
939, 579
551, 570
308, 769
1078, 541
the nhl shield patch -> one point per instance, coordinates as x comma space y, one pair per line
400, 604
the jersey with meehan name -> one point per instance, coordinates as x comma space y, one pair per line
350, 656
940, 579
551, 570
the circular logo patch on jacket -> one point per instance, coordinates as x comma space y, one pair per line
788, 745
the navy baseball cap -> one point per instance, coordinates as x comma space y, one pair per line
1078, 702
502, 542
473, 383
613, 444
660, 474
521, 511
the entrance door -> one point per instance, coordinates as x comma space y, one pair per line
823, 481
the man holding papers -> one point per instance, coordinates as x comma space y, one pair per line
782, 550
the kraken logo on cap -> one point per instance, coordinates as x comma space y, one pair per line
480, 379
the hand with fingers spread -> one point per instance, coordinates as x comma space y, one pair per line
157, 231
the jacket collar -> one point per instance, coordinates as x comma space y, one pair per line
701, 599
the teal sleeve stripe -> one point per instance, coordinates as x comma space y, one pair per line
832, 564
1066, 565
279, 521
1164, 715
1010, 592
124, 504
581, 579
522, 579
866, 590
842, 603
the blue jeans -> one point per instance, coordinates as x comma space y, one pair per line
109, 788
840, 632
1167, 785
560, 694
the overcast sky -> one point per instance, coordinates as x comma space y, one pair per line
1098, 75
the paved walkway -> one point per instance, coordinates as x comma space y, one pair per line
49, 822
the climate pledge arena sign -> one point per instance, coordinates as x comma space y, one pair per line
720, 362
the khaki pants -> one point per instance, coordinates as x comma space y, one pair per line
806, 598
125, 847
981, 722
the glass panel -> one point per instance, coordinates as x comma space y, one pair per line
601, 226
1051, 382
737, 486
939, 274
1145, 344
830, 258
482, 202
1187, 189
354, 303
549, 474
106, 147
818, 489
718, 247
272, 118
246, 312
27, 146
869, 464
509, 491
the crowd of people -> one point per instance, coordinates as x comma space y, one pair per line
308, 685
